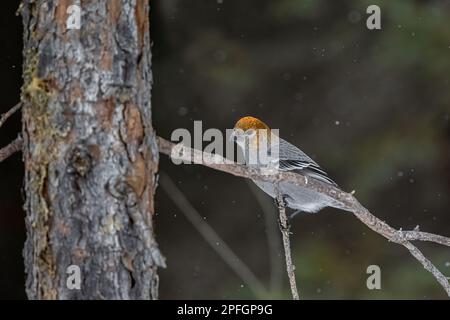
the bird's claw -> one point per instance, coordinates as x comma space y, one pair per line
284, 204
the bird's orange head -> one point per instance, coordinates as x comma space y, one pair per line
251, 129
250, 123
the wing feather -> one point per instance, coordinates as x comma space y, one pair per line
293, 159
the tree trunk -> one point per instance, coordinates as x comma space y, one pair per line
89, 150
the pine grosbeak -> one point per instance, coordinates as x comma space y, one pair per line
248, 134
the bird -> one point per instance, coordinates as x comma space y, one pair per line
251, 134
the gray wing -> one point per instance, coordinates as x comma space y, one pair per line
293, 159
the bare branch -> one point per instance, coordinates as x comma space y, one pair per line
425, 236
212, 238
8, 114
16, 145
347, 200
273, 240
285, 231
11, 148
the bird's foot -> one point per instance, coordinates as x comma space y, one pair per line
285, 201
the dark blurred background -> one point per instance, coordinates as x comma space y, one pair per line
372, 107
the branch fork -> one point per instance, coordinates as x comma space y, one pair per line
347, 200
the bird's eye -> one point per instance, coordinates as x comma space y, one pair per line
250, 132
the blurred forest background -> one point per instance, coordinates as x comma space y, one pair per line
372, 107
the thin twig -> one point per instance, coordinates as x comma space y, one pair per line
425, 236
347, 200
11, 148
285, 231
212, 238
8, 114
273, 239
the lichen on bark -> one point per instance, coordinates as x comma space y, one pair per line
89, 150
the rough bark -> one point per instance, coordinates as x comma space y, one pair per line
89, 151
